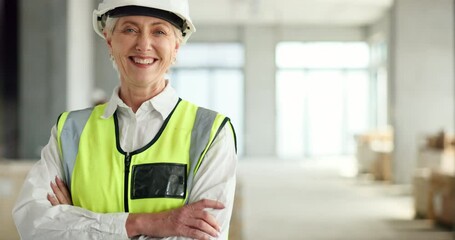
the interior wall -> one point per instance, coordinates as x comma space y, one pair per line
422, 75
106, 78
42, 71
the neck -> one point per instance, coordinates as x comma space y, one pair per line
134, 96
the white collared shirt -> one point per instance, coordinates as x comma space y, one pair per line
35, 218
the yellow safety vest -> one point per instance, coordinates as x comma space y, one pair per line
103, 178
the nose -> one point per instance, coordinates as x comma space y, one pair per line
143, 42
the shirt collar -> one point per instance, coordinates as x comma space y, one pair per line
163, 103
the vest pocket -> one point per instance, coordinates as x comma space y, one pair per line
159, 180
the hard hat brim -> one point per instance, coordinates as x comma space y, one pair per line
179, 10
150, 12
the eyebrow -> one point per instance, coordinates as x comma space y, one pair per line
161, 22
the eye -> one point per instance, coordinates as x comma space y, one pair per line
130, 30
159, 32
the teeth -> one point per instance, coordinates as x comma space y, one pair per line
143, 61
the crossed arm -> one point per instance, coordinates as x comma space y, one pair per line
189, 221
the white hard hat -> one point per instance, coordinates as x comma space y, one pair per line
174, 11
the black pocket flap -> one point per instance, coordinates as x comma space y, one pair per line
159, 180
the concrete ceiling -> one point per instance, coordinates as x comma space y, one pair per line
307, 12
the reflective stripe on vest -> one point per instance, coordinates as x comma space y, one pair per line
187, 134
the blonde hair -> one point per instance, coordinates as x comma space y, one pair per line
110, 26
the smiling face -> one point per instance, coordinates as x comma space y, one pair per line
143, 49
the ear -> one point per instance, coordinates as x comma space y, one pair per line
108, 41
177, 47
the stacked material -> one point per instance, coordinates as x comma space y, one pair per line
12, 175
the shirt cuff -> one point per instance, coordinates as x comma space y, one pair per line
114, 223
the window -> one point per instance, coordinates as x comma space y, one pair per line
378, 68
211, 76
323, 97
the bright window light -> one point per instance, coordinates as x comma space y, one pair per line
323, 97
322, 55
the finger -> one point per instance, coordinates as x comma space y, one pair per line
206, 222
53, 200
207, 203
204, 227
201, 219
62, 186
195, 234
58, 194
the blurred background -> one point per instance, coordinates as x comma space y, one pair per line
344, 109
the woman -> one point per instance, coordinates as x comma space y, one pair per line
146, 164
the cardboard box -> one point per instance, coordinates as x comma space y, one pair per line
12, 175
374, 153
442, 198
429, 158
448, 162
382, 167
438, 160
421, 192
365, 157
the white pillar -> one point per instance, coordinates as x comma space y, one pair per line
260, 110
80, 54
422, 77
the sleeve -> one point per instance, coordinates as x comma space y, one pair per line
216, 180
36, 218
216, 177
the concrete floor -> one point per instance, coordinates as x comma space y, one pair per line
312, 201
315, 200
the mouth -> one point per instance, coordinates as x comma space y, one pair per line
143, 61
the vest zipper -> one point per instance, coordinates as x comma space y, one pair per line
127, 174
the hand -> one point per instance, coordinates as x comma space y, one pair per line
190, 221
61, 194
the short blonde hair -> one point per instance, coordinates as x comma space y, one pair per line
110, 26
